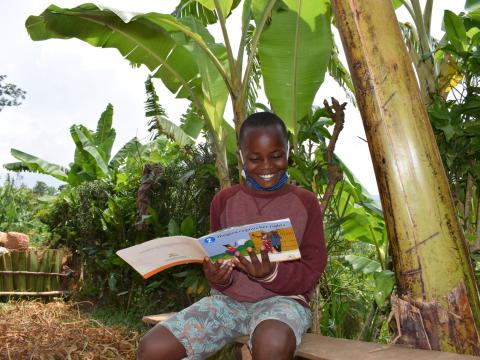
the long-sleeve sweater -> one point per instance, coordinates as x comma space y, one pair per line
239, 205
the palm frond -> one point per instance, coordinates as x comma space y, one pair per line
340, 74
32, 163
255, 73
130, 148
192, 122
153, 109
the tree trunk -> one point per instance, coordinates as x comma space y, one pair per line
438, 295
221, 164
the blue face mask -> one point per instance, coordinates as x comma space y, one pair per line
282, 181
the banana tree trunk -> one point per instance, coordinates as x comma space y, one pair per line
437, 305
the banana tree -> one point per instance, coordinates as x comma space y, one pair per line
92, 158
180, 51
438, 305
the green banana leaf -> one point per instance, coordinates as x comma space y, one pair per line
215, 92
363, 264
105, 135
174, 132
225, 5
294, 52
85, 145
384, 282
32, 163
180, 52
151, 39
131, 147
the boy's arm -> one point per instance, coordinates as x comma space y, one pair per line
300, 276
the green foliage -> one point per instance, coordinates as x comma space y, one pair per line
355, 233
302, 31
92, 158
10, 94
455, 119
97, 218
22, 208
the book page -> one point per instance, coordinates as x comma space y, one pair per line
277, 236
159, 254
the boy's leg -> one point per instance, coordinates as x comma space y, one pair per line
277, 326
160, 344
273, 339
202, 329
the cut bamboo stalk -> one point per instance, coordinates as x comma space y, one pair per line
41, 259
20, 265
2, 281
30, 293
32, 273
7, 265
32, 266
47, 281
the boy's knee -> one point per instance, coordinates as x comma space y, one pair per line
160, 343
274, 337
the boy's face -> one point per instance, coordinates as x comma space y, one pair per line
264, 153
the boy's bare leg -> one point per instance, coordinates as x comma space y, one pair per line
273, 339
160, 344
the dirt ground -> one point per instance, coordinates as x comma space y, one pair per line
58, 330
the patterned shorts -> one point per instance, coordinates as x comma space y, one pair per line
214, 321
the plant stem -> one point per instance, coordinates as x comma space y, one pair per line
231, 59
253, 52
368, 322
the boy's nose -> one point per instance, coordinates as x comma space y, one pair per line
266, 163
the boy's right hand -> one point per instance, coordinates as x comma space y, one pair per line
218, 273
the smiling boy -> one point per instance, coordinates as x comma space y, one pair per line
267, 301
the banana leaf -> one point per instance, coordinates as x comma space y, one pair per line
32, 163
294, 51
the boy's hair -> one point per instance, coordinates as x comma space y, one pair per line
262, 120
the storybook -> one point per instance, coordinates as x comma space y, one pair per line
153, 256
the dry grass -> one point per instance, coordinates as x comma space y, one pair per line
58, 330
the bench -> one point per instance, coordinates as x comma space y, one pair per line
318, 347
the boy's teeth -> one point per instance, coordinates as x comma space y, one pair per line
266, 177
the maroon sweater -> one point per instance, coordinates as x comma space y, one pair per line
239, 205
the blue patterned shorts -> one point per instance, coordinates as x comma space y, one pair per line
206, 326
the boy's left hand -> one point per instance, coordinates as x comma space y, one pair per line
254, 267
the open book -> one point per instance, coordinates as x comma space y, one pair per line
159, 254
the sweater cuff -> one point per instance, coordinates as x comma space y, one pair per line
221, 287
269, 278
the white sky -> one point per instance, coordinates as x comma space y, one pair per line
69, 82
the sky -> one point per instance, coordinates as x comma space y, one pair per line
70, 82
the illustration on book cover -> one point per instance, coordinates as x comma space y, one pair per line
276, 238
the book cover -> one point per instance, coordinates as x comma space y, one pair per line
153, 256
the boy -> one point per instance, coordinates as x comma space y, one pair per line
267, 301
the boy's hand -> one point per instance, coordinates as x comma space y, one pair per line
219, 273
254, 267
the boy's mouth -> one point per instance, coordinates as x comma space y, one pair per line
267, 177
